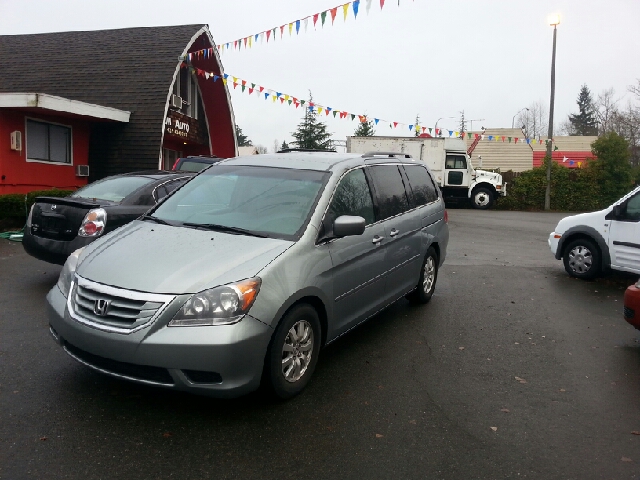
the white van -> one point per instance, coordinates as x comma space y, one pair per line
590, 243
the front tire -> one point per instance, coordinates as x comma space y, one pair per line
581, 259
293, 352
482, 198
428, 277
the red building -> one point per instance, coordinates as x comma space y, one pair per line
78, 106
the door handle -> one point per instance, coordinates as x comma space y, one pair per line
377, 239
394, 232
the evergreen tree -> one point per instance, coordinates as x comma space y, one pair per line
613, 169
284, 146
312, 133
585, 122
365, 129
243, 140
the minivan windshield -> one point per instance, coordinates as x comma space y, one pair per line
261, 200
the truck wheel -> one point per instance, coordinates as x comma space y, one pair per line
581, 259
482, 198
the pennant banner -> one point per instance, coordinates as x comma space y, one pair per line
348, 9
252, 88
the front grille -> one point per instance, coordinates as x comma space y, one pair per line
198, 376
144, 373
114, 309
629, 313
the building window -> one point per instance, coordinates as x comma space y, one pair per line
186, 87
48, 142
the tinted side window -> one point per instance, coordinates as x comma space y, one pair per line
352, 197
421, 185
168, 187
632, 210
390, 192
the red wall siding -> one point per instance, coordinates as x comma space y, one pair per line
19, 176
579, 159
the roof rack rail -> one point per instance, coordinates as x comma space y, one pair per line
386, 154
287, 150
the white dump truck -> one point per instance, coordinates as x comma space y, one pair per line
448, 161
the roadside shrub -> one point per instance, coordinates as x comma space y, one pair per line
596, 186
14, 207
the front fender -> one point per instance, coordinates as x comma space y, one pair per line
473, 185
590, 232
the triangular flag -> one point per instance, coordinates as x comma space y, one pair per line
315, 19
395, 124
256, 37
250, 91
274, 34
345, 10
376, 120
490, 137
281, 30
509, 139
334, 113
528, 141
450, 132
327, 111
503, 139
564, 159
579, 164
297, 27
462, 135
235, 79
245, 42
278, 94
352, 116
515, 140
334, 12
319, 109
356, 5
266, 95
224, 80
235, 84
274, 98
250, 42
410, 128
302, 102
243, 87
381, 4
290, 28
306, 23
216, 77
323, 17
268, 35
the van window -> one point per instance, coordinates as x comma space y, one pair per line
390, 191
632, 212
423, 190
352, 197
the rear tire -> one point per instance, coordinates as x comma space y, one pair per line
482, 198
428, 277
293, 352
581, 259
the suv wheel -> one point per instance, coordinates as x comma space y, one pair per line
428, 277
293, 353
582, 259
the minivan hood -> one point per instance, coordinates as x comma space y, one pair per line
592, 219
150, 257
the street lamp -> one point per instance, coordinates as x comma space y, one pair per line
513, 120
436, 127
474, 120
554, 21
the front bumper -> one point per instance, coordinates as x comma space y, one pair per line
632, 306
554, 241
222, 361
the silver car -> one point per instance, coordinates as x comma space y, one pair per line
244, 273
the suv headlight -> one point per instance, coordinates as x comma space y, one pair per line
93, 223
67, 273
218, 306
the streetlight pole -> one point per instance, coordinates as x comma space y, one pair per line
513, 120
554, 21
436, 127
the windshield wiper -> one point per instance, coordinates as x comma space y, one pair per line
224, 228
155, 219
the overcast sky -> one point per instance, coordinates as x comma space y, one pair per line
489, 58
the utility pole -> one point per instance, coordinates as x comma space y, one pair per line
554, 20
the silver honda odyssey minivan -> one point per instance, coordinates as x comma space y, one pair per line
243, 274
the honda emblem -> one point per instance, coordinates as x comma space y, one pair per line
101, 307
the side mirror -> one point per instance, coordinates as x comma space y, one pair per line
617, 211
347, 225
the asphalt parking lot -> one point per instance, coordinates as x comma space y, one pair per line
514, 370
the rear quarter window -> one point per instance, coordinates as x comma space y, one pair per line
422, 189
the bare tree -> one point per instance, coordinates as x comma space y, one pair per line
276, 146
606, 108
534, 120
565, 128
261, 149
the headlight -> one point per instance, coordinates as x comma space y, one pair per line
69, 269
218, 306
93, 223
